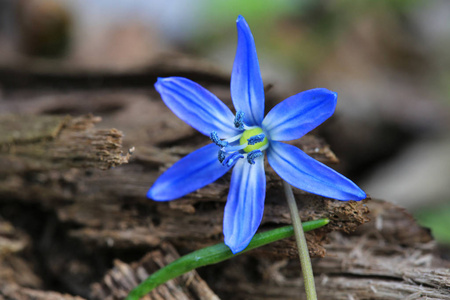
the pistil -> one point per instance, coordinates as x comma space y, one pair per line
253, 138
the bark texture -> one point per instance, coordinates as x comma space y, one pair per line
75, 216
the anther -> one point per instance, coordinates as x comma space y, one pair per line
215, 138
232, 159
239, 120
221, 156
251, 156
256, 139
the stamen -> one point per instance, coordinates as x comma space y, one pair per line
215, 138
221, 156
233, 138
251, 156
256, 139
239, 120
232, 159
249, 127
230, 149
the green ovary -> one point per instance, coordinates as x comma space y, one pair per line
248, 134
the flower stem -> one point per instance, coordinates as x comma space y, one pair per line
303, 253
214, 254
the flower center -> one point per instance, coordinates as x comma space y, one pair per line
250, 134
249, 144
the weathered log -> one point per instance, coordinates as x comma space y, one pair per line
43, 143
390, 257
88, 216
111, 208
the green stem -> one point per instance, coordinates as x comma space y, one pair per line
303, 253
212, 255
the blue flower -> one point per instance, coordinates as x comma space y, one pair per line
241, 140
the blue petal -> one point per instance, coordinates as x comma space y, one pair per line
306, 173
245, 204
247, 90
299, 114
192, 172
196, 106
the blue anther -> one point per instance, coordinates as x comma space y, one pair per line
215, 138
239, 120
221, 156
251, 156
256, 139
231, 159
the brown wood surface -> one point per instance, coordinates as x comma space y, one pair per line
72, 199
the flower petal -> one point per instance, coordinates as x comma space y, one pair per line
247, 90
245, 204
299, 114
306, 173
192, 172
196, 106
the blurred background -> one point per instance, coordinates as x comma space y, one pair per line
387, 59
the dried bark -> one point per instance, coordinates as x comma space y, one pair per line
391, 257
43, 143
53, 175
111, 208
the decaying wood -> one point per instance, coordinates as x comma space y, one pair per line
53, 174
44, 143
391, 257
119, 281
111, 208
